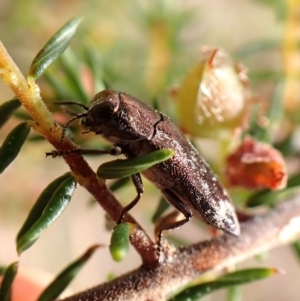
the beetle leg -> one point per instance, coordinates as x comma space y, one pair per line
137, 181
114, 151
180, 206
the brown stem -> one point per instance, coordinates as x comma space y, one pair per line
27, 91
97, 188
278, 226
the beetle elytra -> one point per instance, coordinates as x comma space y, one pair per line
186, 181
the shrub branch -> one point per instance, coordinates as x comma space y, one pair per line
27, 91
277, 227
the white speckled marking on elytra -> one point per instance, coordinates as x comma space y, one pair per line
224, 207
225, 193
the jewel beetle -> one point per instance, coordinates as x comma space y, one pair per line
186, 181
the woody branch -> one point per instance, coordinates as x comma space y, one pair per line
278, 226
27, 91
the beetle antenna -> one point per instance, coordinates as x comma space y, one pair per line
77, 116
67, 124
79, 104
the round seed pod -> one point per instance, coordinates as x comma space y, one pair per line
213, 98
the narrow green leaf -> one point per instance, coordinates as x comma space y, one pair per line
36, 138
53, 48
110, 277
119, 242
246, 275
124, 168
7, 109
296, 247
22, 115
258, 76
2, 270
57, 286
70, 65
58, 84
256, 47
275, 110
234, 293
280, 7
286, 145
236, 278
274, 115
91, 57
39, 206
119, 184
8, 278
12, 144
270, 198
163, 205
116, 185
57, 204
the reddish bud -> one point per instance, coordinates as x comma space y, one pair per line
256, 165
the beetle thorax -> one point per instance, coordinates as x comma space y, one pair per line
119, 118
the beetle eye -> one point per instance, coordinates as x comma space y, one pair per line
101, 113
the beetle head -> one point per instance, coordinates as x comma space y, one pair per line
102, 107
101, 110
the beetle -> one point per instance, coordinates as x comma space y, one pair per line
185, 180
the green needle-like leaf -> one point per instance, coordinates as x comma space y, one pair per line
39, 206
255, 47
12, 144
274, 115
96, 67
234, 293
57, 204
236, 278
119, 184
7, 109
127, 167
296, 247
119, 242
57, 286
53, 48
161, 208
70, 65
8, 278
270, 198
2, 270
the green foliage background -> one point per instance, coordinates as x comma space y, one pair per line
144, 49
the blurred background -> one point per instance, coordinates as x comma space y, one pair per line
144, 48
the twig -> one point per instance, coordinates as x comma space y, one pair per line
277, 227
27, 91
